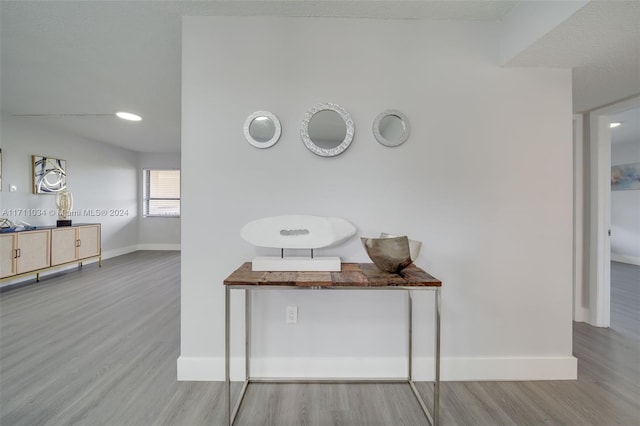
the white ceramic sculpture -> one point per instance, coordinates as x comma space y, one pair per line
297, 232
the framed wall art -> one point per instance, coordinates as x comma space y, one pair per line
49, 174
625, 177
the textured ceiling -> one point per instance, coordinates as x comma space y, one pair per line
601, 42
629, 130
99, 57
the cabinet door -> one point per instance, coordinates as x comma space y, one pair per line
33, 250
63, 245
7, 255
89, 237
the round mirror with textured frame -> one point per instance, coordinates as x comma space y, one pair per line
262, 129
327, 130
391, 128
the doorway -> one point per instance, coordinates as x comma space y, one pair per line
599, 282
625, 222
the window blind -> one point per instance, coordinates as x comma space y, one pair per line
162, 193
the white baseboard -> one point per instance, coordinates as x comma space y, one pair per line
515, 369
625, 259
119, 252
581, 314
205, 369
130, 249
170, 247
452, 369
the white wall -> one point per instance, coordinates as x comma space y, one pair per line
157, 233
625, 209
484, 181
100, 177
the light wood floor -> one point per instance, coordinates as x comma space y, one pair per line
99, 347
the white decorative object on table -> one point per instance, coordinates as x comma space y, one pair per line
297, 232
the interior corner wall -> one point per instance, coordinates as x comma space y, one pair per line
101, 177
484, 181
157, 233
625, 209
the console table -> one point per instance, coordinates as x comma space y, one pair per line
353, 276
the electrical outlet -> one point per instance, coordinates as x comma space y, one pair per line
292, 314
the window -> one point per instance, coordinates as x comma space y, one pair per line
161, 193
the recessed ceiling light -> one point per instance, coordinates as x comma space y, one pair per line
128, 116
615, 124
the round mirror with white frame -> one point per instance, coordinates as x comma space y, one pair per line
262, 129
327, 130
391, 128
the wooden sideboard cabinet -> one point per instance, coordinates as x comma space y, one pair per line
24, 252
42, 249
73, 243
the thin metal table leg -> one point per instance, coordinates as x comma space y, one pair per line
436, 389
232, 414
429, 415
227, 333
410, 310
247, 334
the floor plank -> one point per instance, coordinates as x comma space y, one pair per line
625, 299
98, 346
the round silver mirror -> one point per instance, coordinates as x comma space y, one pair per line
327, 130
262, 129
391, 128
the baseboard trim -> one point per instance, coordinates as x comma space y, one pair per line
130, 249
625, 259
167, 247
452, 369
205, 369
119, 252
510, 369
581, 314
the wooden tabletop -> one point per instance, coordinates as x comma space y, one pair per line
351, 275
